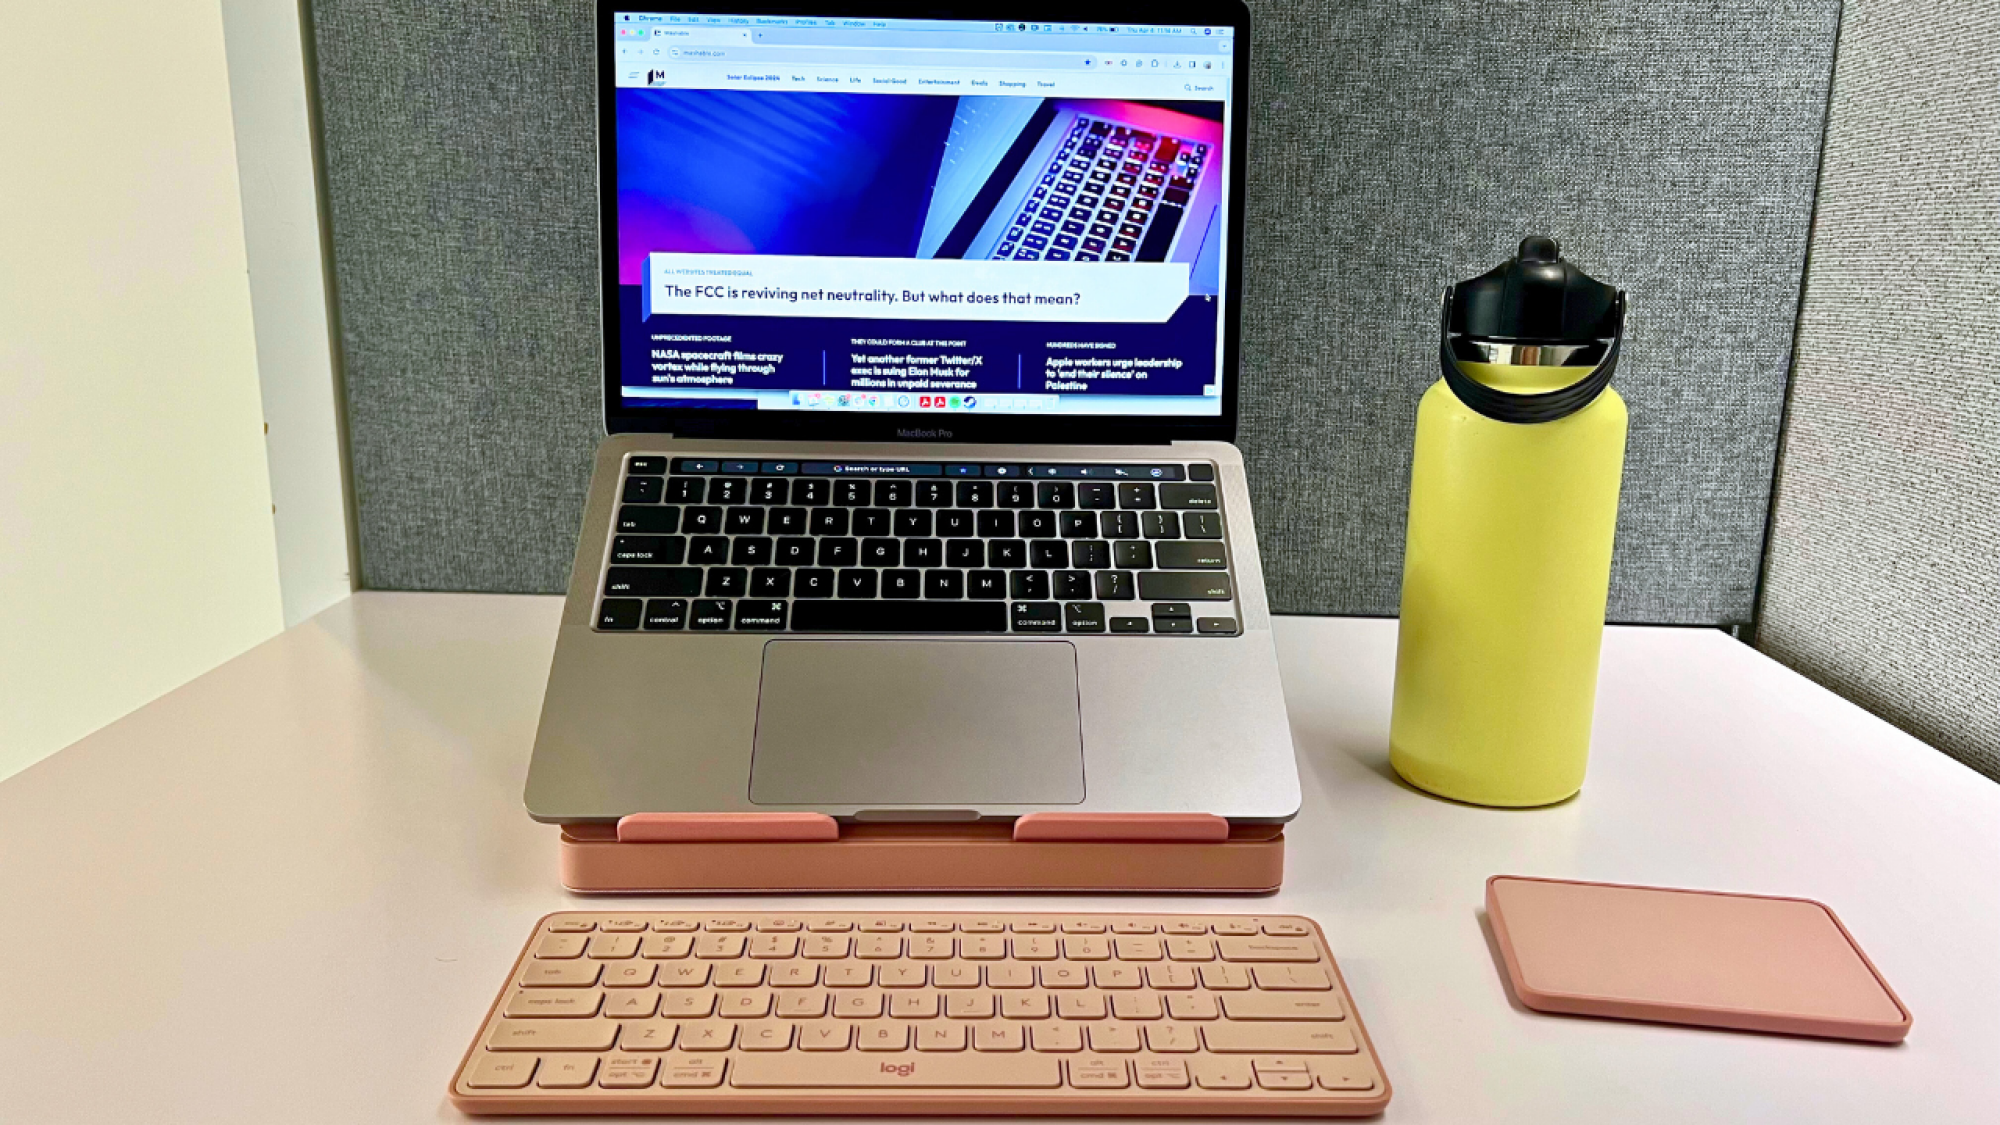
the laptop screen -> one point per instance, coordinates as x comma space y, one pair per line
937, 225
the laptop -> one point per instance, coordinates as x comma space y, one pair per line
919, 501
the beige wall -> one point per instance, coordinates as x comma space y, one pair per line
136, 545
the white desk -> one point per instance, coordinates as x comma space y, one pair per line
287, 891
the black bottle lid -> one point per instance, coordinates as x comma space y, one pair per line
1535, 297
1527, 305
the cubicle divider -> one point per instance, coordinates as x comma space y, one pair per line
1672, 147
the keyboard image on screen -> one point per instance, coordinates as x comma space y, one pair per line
1110, 193
698, 1013
719, 545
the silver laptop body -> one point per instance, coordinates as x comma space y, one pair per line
790, 610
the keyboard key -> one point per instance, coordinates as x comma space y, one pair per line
501, 1072
896, 493
1016, 494
1008, 554
857, 583
851, 493
1028, 584
743, 521
1219, 626
900, 1070
1078, 525
652, 581
646, 466
1048, 554
845, 616
923, 552
1160, 525
986, 584
1136, 494
1283, 1006
813, 583
933, 494
1184, 585
1129, 625
1118, 525
670, 550
1187, 555
1038, 525
1083, 617
770, 491
912, 522
1071, 585
1272, 1037
944, 584
1188, 496
619, 613
975, 494
705, 550
1201, 525
1097, 1072
649, 519
685, 490
793, 551
709, 616
702, 521
902, 583
1096, 495
788, 521
812, 493
880, 552
726, 582
756, 615
1036, 617
750, 550
871, 521
666, 613
1132, 554
1302, 978
552, 1035
966, 554
1090, 554
996, 525
955, 523
728, 490
1115, 585
1056, 494
643, 490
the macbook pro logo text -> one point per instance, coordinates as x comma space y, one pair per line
917, 433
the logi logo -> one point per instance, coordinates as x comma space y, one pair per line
900, 1070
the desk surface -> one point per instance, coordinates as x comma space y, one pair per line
288, 890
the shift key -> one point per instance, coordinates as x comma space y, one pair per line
1226, 1037
1183, 586
552, 1035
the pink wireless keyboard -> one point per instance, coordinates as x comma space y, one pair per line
691, 1013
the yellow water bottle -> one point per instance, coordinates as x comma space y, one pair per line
1513, 501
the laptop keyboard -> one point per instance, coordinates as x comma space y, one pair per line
683, 1013
1111, 193
909, 547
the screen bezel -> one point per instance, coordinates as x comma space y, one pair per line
885, 426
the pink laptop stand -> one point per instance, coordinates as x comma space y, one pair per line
654, 853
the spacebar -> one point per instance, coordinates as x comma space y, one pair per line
906, 1070
898, 617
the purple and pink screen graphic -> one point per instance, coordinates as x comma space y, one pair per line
729, 172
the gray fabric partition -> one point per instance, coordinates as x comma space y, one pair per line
1883, 577
1396, 147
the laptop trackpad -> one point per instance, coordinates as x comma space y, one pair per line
937, 724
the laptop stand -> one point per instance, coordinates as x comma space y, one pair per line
678, 853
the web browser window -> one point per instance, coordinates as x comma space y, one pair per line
920, 216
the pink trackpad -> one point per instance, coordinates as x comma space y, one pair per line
1751, 962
